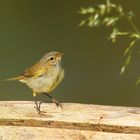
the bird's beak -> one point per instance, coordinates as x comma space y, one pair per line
61, 54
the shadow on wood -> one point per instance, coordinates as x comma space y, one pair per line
20, 120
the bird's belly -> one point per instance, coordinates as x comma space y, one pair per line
41, 84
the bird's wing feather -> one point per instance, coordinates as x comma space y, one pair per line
14, 78
35, 70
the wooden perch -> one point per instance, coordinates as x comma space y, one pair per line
20, 120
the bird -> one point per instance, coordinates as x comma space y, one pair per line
43, 77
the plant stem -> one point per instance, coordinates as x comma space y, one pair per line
132, 24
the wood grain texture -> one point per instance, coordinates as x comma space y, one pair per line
19, 119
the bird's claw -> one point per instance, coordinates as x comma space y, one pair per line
57, 103
41, 113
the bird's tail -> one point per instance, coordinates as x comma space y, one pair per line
14, 78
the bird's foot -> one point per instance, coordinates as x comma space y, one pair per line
41, 113
56, 102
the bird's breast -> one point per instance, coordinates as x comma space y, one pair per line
44, 82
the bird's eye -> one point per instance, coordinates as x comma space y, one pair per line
51, 58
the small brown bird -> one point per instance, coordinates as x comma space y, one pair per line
43, 77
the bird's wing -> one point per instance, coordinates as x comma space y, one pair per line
35, 70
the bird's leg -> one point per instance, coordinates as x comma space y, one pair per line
54, 100
38, 107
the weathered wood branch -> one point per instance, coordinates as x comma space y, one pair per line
20, 120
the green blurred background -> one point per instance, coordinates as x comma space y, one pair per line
30, 28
